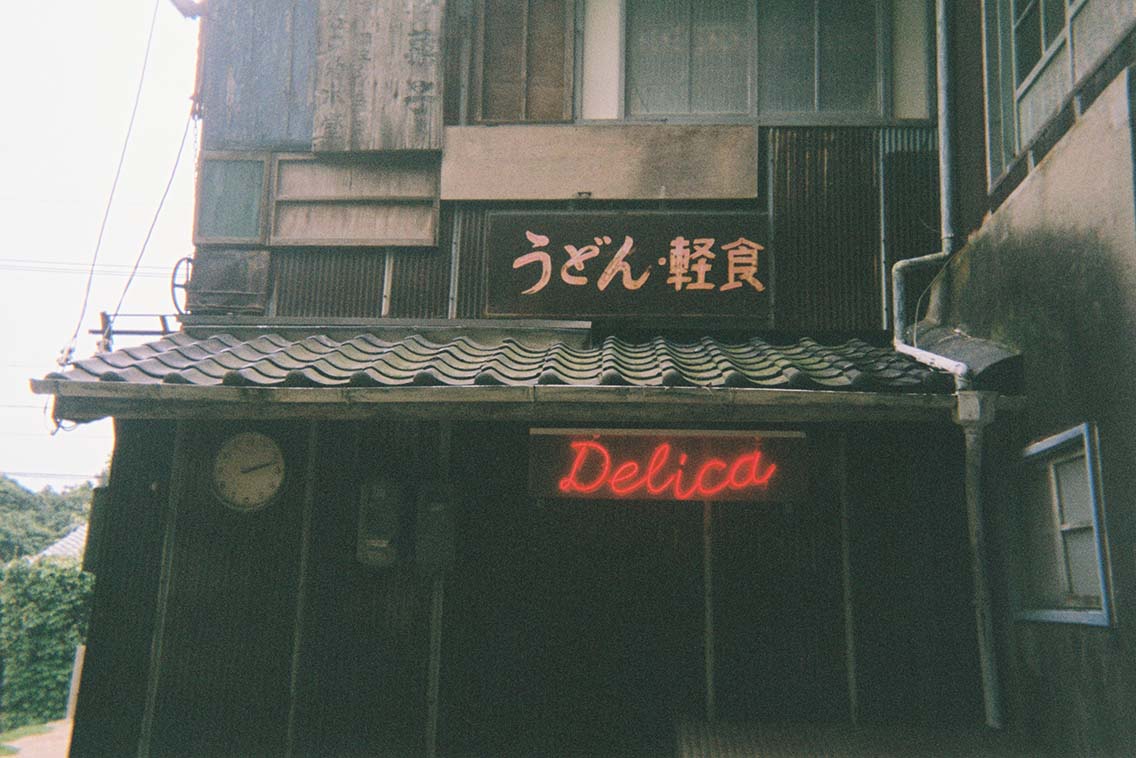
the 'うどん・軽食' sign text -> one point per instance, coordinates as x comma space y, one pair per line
596, 264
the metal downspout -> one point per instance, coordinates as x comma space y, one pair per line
975, 410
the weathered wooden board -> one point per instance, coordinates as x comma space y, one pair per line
258, 74
387, 201
299, 177
373, 225
630, 162
378, 76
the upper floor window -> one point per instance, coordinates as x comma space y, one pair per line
1036, 52
782, 61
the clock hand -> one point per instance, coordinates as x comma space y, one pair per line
257, 467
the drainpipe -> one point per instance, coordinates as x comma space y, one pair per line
975, 410
959, 370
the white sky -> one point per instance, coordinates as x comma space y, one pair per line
70, 72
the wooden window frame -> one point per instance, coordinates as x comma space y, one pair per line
477, 70
1073, 443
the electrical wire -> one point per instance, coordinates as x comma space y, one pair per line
69, 349
153, 223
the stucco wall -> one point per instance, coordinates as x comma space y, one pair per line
1053, 273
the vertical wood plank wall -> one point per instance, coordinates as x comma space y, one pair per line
378, 76
222, 687
559, 617
112, 694
258, 76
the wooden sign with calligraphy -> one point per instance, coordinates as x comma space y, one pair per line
635, 263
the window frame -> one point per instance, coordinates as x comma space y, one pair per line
476, 79
1005, 97
884, 115
1049, 452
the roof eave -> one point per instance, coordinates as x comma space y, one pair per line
87, 401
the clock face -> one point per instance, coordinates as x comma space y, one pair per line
248, 471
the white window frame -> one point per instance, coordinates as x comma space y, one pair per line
885, 83
1081, 439
999, 44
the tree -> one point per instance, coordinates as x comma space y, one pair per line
31, 521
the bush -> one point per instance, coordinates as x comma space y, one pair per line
44, 608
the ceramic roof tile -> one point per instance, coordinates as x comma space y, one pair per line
367, 360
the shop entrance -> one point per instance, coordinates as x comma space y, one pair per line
598, 644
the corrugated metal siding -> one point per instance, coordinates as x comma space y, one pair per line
469, 232
420, 278
324, 283
831, 214
846, 203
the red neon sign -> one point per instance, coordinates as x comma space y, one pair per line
663, 475
668, 464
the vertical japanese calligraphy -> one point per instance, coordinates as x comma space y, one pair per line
636, 263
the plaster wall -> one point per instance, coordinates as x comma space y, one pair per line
1052, 273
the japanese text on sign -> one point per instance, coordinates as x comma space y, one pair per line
633, 263
689, 263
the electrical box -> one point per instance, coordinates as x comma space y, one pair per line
381, 504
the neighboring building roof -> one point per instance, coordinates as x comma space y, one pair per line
71, 545
367, 360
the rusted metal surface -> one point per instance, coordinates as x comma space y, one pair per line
842, 202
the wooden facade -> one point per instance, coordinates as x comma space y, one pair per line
408, 592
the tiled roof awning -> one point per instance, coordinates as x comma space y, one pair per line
181, 376
368, 361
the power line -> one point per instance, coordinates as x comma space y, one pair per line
153, 223
69, 349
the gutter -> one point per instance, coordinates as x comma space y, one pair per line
975, 410
959, 370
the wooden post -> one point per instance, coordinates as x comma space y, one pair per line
178, 475
437, 595
846, 576
708, 604
302, 588
434, 676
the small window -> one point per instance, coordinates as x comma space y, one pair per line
688, 56
818, 57
1061, 552
525, 61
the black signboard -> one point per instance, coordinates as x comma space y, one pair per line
661, 464
638, 263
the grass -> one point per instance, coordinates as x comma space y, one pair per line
17, 733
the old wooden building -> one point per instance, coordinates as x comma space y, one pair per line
613, 377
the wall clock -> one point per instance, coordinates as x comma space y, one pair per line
248, 471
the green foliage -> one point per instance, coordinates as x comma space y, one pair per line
30, 521
43, 616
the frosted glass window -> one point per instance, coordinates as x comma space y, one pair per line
686, 56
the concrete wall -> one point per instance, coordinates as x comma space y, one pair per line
1053, 273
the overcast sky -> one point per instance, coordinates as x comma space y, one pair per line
70, 72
